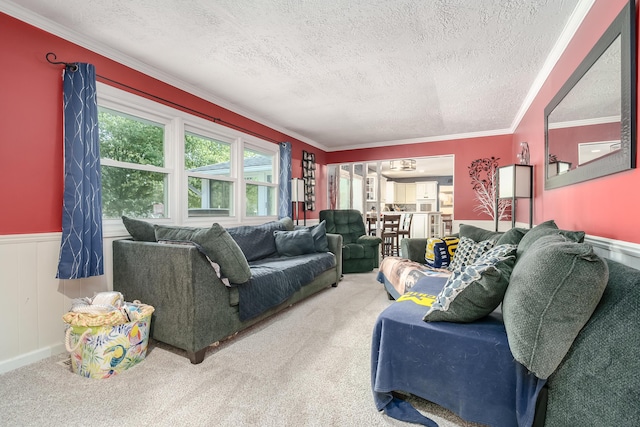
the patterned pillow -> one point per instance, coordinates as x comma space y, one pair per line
468, 252
475, 291
440, 252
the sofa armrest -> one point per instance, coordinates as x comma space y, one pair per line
191, 304
368, 240
413, 248
335, 246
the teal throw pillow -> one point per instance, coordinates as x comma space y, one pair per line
478, 234
140, 230
294, 243
544, 229
475, 291
319, 234
216, 244
554, 289
512, 237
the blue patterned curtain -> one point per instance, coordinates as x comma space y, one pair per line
81, 247
284, 187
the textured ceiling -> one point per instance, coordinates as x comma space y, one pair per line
336, 73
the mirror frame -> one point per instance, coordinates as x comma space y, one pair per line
625, 158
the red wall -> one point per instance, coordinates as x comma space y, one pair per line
608, 206
465, 150
31, 141
565, 141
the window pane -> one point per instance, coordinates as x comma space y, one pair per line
134, 193
209, 197
130, 139
261, 200
258, 166
345, 193
206, 155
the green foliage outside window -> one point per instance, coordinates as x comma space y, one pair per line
127, 139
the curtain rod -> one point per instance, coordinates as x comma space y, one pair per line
74, 67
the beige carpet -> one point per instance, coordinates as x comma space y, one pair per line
307, 366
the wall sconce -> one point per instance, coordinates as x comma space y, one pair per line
297, 196
402, 165
515, 182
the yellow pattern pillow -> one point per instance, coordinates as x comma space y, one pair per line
440, 251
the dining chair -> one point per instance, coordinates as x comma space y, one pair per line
389, 235
404, 230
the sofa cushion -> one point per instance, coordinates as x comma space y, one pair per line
601, 371
468, 252
294, 243
139, 230
477, 290
478, 234
544, 229
353, 251
275, 279
257, 241
554, 288
512, 237
347, 222
319, 234
215, 243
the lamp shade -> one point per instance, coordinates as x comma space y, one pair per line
297, 190
515, 181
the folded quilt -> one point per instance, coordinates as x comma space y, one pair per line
399, 275
474, 374
275, 279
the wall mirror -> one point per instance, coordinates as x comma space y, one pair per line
590, 125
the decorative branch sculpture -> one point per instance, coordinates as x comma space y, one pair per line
484, 182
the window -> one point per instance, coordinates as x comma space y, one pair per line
207, 164
260, 191
159, 162
134, 179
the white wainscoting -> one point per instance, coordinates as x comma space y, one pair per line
33, 301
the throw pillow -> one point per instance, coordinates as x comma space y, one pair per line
294, 243
512, 237
544, 229
140, 230
554, 288
440, 252
216, 244
319, 234
477, 290
478, 234
257, 241
468, 252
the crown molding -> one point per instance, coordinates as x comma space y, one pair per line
25, 15
31, 18
438, 138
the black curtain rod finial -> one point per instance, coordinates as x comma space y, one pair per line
72, 66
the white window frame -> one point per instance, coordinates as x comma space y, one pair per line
256, 144
176, 123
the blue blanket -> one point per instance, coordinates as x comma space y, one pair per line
466, 368
275, 279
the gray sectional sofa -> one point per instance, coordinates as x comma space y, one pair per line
597, 382
206, 284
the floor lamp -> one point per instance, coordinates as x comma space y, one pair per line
297, 196
515, 182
